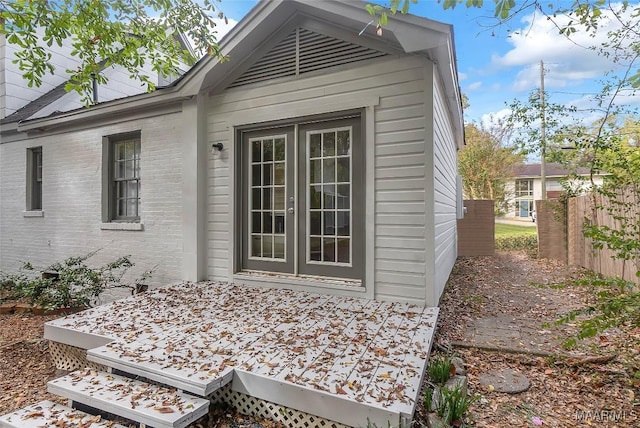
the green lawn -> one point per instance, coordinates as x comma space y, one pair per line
512, 230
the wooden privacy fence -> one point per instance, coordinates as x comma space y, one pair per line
580, 249
477, 229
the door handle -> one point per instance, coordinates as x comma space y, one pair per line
290, 210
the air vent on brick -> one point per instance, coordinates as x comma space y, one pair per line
304, 51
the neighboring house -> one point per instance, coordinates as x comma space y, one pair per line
314, 158
526, 186
50, 96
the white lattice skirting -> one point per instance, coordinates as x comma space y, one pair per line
251, 406
67, 357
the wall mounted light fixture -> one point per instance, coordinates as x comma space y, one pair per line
218, 146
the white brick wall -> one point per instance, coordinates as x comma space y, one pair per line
72, 182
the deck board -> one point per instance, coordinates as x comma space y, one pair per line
195, 336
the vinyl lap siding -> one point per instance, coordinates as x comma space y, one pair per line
445, 170
400, 195
399, 161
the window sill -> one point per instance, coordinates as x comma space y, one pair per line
32, 213
122, 226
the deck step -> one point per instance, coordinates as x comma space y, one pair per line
153, 405
49, 414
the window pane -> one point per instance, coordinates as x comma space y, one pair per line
329, 144
137, 150
344, 143
129, 150
267, 150
278, 149
255, 151
343, 250
118, 151
132, 207
121, 208
329, 171
118, 170
315, 249
315, 146
329, 250
278, 247
128, 169
132, 189
121, 189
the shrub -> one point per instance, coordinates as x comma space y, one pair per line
71, 283
527, 243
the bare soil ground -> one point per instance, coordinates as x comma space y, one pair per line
561, 395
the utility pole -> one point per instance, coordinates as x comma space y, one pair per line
543, 137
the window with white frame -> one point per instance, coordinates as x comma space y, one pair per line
121, 178
524, 188
34, 179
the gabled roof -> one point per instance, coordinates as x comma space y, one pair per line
533, 170
407, 34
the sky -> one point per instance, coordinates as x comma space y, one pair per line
500, 63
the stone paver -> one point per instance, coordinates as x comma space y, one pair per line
508, 381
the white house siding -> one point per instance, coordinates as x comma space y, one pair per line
72, 182
120, 85
444, 192
397, 86
15, 92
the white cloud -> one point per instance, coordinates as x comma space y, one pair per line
474, 86
462, 76
489, 120
568, 61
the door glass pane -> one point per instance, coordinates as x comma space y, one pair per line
278, 198
344, 143
315, 249
344, 175
315, 197
279, 174
315, 145
278, 149
329, 171
278, 247
343, 197
267, 150
329, 250
329, 207
344, 250
256, 246
256, 149
267, 201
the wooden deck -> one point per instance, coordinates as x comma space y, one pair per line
341, 358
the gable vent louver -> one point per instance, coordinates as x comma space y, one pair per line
304, 51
